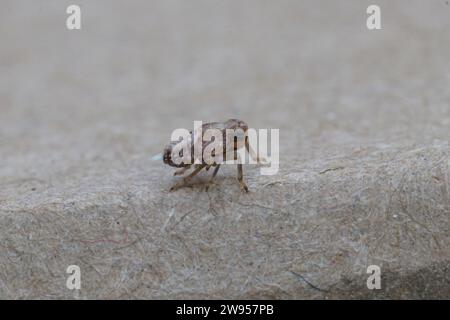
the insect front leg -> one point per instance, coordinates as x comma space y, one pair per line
253, 154
180, 184
240, 177
210, 182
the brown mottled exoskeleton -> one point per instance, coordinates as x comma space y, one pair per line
233, 124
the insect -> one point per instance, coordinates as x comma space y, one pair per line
224, 149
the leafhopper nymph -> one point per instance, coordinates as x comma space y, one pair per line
229, 137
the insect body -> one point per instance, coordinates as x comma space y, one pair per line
173, 152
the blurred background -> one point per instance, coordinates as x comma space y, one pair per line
110, 94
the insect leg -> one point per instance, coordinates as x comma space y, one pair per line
241, 177
253, 154
198, 168
212, 177
215, 171
181, 171
193, 173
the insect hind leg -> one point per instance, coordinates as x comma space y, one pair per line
210, 182
182, 170
183, 182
